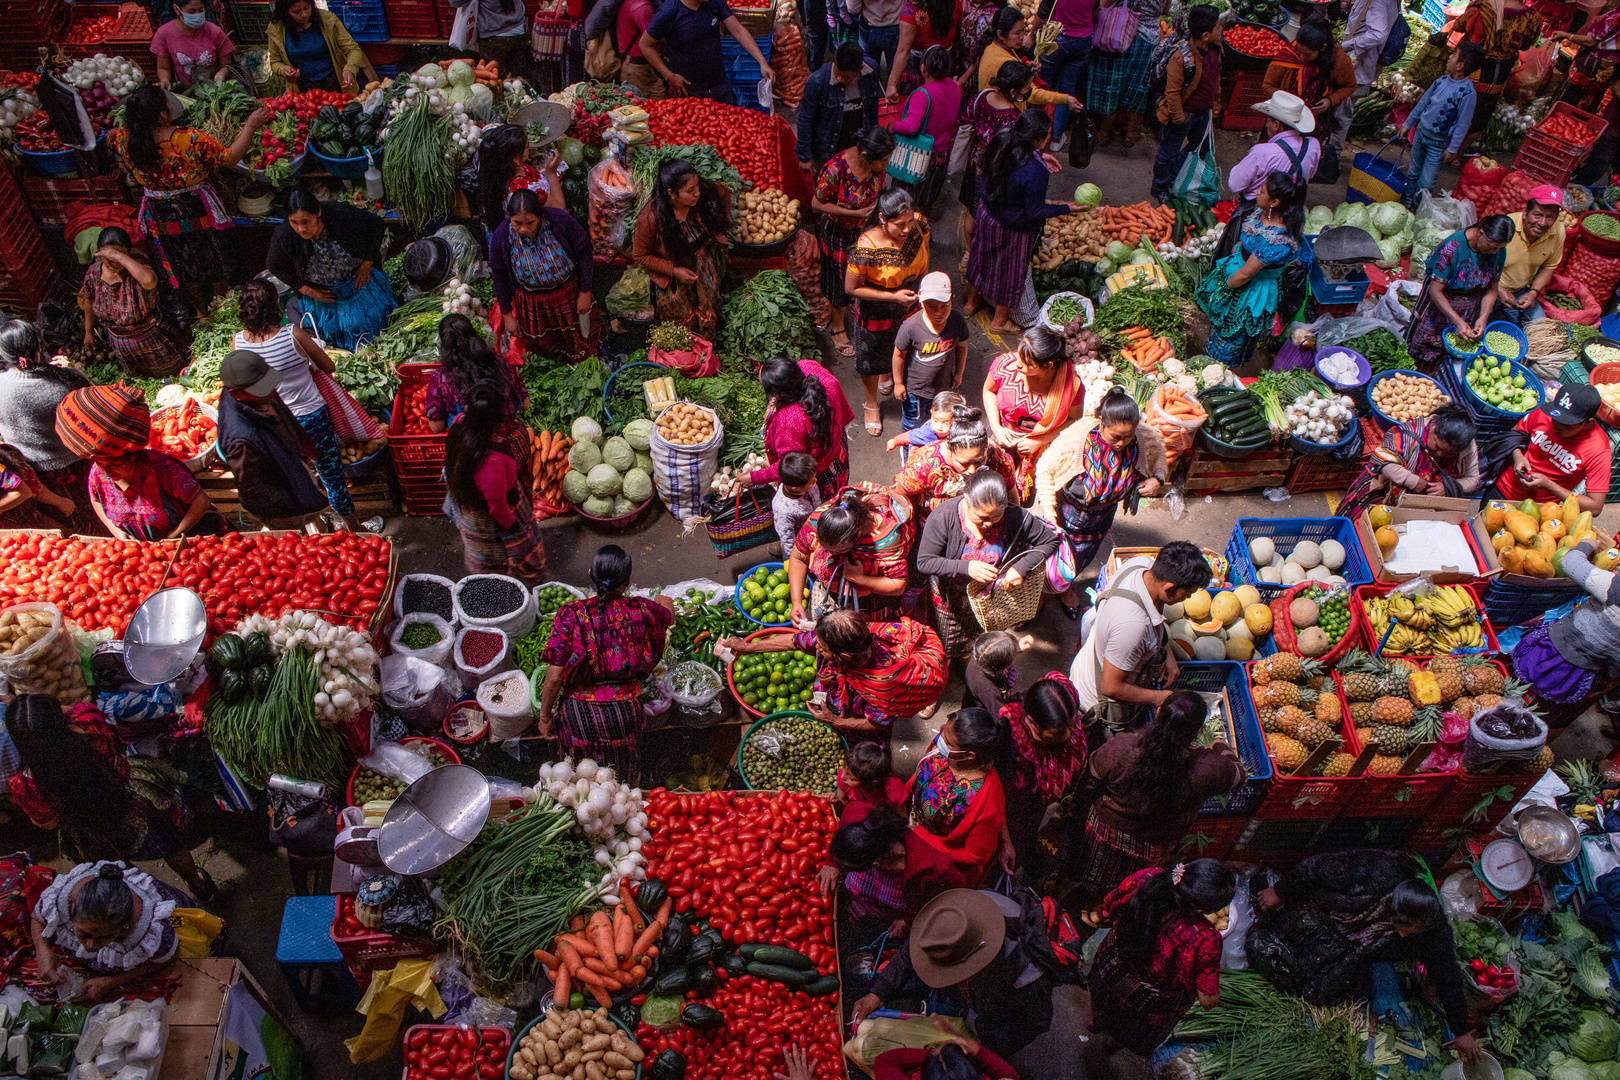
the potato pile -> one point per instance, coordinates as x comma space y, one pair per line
357, 451
53, 669
576, 1045
686, 424
1072, 236
1407, 397
764, 217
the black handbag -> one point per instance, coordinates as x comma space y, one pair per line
1082, 137
306, 827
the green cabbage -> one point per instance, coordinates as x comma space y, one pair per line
604, 480
1105, 267
576, 489
617, 453
1606, 1070
597, 506
643, 461
460, 73
1118, 251
1088, 195
623, 506
480, 101
1391, 252
1569, 1069
1318, 218
1341, 213
1357, 218
584, 455
638, 433
1388, 218
586, 430
1597, 1038
638, 486
1517, 1074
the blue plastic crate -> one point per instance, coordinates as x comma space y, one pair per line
1338, 292
1487, 425
1285, 533
1213, 676
386, 71
1434, 13
743, 72
363, 19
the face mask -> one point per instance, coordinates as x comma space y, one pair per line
194, 20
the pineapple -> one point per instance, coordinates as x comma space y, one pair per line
1483, 679
1266, 716
1328, 709
1384, 765
1288, 720
1541, 762
1361, 713
1390, 739
1425, 724
1282, 666
1338, 764
1314, 733
1277, 694
1364, 735
1463, 707
1289, 754
1259, 674
1447, 665
1360, 686
1392, 683
1423, 688
1392, 710
1486, 701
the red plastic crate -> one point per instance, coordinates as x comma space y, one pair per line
1478, 801
418, 459
366, 951
1212, 837
1389, 796
447, 16
1551, 159
414, 19
1282, 627
1247, 90
1362, 591
1276, 843
1318, 472
48, 196
1297, 798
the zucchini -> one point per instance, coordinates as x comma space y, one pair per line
776, 954
778, 973
827, 984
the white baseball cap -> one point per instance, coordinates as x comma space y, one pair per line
935, 286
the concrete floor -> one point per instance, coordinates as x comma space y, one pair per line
255, 879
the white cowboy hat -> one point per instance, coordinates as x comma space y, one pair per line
1288, 109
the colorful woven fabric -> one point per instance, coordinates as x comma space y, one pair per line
608, 646
104, 421
607, 732
549, 319
1046, 770
908, 680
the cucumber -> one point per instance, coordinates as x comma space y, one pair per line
784, 957
778, 973
827, 984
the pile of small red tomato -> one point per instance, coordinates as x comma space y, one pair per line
182, 433
1492, 977
1256, 41
748, 864
286, 136
745, 138
91, 31
413, 400
307, 104
1568, 129
37, 136
443, 1053
25, 79
341, 575
96, 583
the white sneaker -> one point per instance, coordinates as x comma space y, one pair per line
1059, 143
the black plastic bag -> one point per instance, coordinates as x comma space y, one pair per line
1082, 137
411, 914
306, 827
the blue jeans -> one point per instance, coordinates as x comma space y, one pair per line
879, 42
1520, 317
1063, 70
1174, 143
1427, 149
913, 410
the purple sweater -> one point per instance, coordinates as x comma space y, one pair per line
574, 241
942, 100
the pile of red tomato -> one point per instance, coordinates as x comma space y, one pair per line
1255, 41
91, 31
745, 138
307, 104
25, 79
341, 575
36, 134
1568, 129
414, 401
748, 864
96, 583
182, 433
443, 1053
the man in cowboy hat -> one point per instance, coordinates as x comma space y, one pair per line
991, 951
1286, 147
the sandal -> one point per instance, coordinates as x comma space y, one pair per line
874, 428
886, 387
846, 348
927, 711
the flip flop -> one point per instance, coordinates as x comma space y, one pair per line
874, 428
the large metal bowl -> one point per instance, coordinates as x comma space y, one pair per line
553, 114
1548, 834
164, 635
431, 821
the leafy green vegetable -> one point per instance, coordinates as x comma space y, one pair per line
419, 182
366, 376
212, 339
1157, 309
1597, 1038
559, 392
767, 318
1383, 350
109, 373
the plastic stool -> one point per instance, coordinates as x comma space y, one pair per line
306, 950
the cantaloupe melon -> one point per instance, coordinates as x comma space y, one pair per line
1306, 553
1271, 575
1332, 554
1209, 648
1261, 549
1226, 608
1239, 649
1197, 605
1292, 574
1172, 612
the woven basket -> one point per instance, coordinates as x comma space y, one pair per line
1003, 606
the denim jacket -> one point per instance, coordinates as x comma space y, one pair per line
821, 111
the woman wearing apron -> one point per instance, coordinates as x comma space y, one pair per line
179, 209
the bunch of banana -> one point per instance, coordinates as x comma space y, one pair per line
1450, 639
1441, 621
1453, 607
1403, 610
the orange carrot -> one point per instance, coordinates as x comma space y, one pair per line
548, 959
648, 939
577, 923
601, 995
623, 935
600, 932
579, 942
570, 957
638, 922
562, 983
598, 966
637, 972
664, 909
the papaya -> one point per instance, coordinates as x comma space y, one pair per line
1549, 511
1536, 565
1558, 561
1553, 527
1581, 525
1512, 560
1544, 545
1522, 526
1569, 512
1495, 516
1529, 507
1569, 541
1502, 541
1607, 560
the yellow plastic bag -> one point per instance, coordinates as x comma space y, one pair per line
409, 983
881, 1033
196, 930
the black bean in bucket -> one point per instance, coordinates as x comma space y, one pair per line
490, 598
429, 597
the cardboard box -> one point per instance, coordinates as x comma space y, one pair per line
1523, 581
1459, 512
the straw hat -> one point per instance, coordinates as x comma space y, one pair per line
1287, 109
956, 936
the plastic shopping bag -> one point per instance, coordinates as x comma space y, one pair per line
1199, 180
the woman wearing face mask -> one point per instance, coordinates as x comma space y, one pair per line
681, 241
312, 50
1048, 761
1093, 465
541, 260
978, 540
180, 210
120, 292
328, 255
958, 800
890, 871
852, 552
939, 471
110, 918
189, 47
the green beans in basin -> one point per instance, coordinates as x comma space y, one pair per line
792, 753
1502, 344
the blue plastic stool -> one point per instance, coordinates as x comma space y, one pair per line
306, 950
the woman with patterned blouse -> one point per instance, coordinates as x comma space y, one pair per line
1503, 28
544, 276
682, 242
113, 919
1459, 288
179, 208
852, 552
1240, 293
1596, 66
328, 255
1029, 396
995, 107
923, 24
120, 293
958, 802
888, 261
846, 191
600, 651
1047, 763
1163, 954
939, 471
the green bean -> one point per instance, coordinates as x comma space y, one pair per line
416, 171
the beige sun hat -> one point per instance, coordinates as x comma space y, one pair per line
1288, 109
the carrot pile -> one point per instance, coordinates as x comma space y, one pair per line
1127, 223
1144, 351
605, 954
789, 65
1176, 417
549, 465
488, 73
